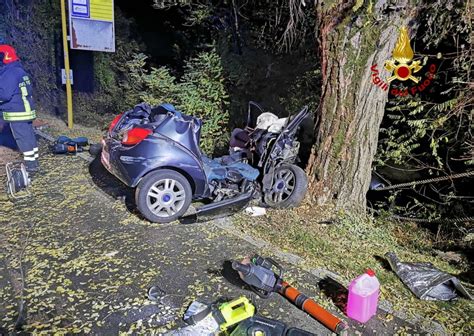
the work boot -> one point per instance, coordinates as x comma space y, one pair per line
32, 166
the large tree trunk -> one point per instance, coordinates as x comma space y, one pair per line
351, 107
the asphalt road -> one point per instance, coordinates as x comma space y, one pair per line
75, 257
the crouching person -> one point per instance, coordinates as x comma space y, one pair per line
16, 105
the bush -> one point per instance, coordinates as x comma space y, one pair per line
200, 92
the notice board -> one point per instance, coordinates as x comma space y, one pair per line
91, 25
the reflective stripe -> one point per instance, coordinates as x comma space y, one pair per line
27, 158
19, 116
35, 149
37, 156
24, 96
29, 152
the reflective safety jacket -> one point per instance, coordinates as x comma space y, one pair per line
16, 100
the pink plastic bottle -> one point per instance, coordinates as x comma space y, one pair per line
363, 297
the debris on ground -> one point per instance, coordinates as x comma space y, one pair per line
254, 211
426, 281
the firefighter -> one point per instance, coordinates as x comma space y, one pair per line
17, 108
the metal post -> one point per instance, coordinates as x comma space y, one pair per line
66, 65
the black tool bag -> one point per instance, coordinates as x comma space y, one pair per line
267, 327
66, 145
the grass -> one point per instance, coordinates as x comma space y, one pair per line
352, 243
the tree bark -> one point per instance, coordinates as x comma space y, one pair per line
351, 107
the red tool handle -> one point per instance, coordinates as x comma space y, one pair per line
312, 308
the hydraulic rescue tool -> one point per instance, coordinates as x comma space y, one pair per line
209, 320
18, 181
258, 273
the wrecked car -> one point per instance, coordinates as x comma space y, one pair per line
156, 150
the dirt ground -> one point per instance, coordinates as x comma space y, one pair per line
8, 155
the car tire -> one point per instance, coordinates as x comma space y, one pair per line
163, 196
95, 149
290, 184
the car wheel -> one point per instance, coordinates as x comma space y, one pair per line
95, 149
163, 196
290, 184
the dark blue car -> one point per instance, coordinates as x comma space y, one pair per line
156, 150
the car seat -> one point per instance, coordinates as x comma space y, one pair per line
158, 114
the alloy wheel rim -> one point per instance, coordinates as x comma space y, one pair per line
283, 186
166, 197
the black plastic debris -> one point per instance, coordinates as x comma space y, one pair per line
155, 293
376, 182
426, 281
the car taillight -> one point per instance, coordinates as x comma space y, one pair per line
135, 136
114, 122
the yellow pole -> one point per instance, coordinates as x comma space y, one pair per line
66, 65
